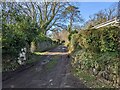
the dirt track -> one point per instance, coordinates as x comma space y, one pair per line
37, 77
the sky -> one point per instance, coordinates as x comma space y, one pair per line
90, 8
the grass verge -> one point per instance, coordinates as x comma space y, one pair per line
13, 65
33, 58
90, 80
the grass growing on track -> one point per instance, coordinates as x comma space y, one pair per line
52, 63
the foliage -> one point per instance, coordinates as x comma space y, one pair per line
72, 32
102, 65
101, 40
99, 52
74, 42
17, 35
90, 80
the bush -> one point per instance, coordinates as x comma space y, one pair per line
73, 44
72, 32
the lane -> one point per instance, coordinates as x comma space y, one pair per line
38, 77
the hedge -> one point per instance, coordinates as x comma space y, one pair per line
99, 53
100, 40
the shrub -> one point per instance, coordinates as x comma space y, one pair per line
73, 44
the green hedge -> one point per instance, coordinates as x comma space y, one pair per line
99, 53
100, 40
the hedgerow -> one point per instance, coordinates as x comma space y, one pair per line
100, 40
99, 53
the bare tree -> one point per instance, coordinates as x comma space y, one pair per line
102, 16
47, 14
72, 15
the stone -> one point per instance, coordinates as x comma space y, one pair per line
12, 86
51, 83
50, 80
95, 72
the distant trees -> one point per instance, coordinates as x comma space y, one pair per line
62, 36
